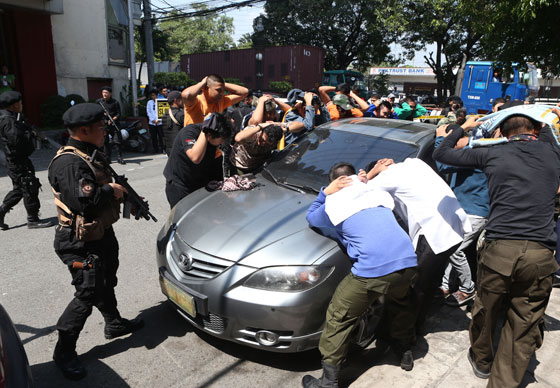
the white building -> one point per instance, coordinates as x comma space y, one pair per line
65, 47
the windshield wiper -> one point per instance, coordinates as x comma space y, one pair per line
302, 187
276, 181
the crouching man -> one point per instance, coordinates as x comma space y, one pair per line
383, 264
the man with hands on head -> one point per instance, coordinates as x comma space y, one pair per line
383, 265
195, 158
340, 106
307, 112
266, 110
208, 96
254, 145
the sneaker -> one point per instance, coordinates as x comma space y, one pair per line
459, 298
441, 293
478, 372
556, 281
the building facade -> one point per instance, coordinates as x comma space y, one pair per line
64, 47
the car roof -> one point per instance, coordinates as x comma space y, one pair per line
392, 129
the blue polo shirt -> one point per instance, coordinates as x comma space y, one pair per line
373, 239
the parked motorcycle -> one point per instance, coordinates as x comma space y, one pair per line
135, 138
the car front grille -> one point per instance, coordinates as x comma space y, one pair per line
196, 265
214, 323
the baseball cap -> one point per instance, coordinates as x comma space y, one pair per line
342, 101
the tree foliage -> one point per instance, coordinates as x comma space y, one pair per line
198, 34
523, 30
453, 26
350, 31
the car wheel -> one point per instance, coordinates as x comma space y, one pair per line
366, 327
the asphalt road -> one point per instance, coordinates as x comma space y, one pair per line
35, 288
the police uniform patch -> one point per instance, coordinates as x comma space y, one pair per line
190, 141
87, 188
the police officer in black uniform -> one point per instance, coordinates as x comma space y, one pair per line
88, 204
173, 120
18, 141
112, 106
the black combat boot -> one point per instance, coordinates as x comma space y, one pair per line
403, 352
3, 211
120, 326
33, 222
66, 359
119, 157
329, 379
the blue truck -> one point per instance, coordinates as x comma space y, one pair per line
483, 82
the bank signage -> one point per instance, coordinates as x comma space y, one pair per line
407, 71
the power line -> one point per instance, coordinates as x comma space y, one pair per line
204, 12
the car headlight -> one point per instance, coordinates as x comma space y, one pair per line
288, 278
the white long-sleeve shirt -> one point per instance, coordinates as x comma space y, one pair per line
425, 202
152, 113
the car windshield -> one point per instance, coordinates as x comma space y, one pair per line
307, 162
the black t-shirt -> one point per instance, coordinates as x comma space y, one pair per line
180, 170
112, 106
523, 179
16, 136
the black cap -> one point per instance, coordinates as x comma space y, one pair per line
82, 114
8, 98
107, 88
173, 96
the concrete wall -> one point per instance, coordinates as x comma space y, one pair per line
49, 6
80, 47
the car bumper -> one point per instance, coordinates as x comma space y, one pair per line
270, 320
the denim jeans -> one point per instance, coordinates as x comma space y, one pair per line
458, 267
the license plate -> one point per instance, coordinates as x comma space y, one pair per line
178, 296
142, 131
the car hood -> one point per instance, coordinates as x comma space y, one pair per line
234, 225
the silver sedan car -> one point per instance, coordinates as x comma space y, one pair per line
245, 266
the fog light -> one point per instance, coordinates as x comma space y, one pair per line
266, 338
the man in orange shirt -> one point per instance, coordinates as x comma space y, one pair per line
207, 96
339, 107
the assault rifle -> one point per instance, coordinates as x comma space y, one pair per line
109, 116
131, 198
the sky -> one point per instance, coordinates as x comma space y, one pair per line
243, 23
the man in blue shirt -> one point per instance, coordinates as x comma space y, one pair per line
384, 264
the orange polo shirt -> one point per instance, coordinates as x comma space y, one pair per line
335, 115
197, 112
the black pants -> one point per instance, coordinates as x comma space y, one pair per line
175, 193
25, 185
156, 132
430, 271
99, 293
116, 140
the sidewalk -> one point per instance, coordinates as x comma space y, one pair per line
441, 357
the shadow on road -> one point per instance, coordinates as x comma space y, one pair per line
47, 375
161, 322
37, 332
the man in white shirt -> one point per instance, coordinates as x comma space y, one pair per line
155, 124
436, 221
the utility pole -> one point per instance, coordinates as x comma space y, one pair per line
149, 42
132, 60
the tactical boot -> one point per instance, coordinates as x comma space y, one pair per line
66, 359
329, 379
33, 222
120, 159
403, 352
3, 211
121, 326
